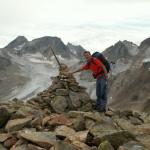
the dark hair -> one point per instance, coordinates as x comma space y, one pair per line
86, 52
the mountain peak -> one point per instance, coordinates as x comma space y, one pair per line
145, 43
20, 40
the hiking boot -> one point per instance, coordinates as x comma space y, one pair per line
101, 110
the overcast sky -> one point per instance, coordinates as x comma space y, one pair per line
94, 24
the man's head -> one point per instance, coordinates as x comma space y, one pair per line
87, 55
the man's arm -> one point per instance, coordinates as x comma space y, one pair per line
76, 71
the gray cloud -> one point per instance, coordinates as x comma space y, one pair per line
91, 23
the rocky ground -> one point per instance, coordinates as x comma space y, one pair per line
62, 118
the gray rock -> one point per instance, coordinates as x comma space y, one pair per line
75, 100
4, 136
34, 147
79, 124
84, 97
132, 145
43, 139
105, 146
2, 147
62, 92
59, 104
17, 124
64, 146
20, 147
135, 121
102, 132
4, 116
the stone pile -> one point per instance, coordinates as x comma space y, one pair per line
63, 95
39, 124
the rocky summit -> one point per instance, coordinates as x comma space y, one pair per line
62, 118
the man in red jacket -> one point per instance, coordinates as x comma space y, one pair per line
100, 73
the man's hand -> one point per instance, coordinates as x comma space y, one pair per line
76, 71
70, 73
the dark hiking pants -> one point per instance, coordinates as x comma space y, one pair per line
101, 93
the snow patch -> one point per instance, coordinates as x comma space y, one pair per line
73, 51
121, 66
19, 47
146, 60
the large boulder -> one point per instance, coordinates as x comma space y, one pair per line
4, 136
62, 92
105, 146
4, 116
20, 147
34, 147
59, 104
75, 99
132, 145
102, 132
81, 145
43, 139
60, 145
17, 124
2, 147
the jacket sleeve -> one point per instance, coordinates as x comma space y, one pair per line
85, 67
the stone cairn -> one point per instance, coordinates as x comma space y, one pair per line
60, 118
64, 94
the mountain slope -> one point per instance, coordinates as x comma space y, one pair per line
130, 89
31, 64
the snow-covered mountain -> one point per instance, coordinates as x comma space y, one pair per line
129, 82
26, 66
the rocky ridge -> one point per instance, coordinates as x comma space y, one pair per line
62, 118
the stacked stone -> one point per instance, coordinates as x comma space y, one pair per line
64, 94
26, 127
33, 125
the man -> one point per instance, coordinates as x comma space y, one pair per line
100, 73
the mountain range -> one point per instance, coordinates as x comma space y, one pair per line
26, 68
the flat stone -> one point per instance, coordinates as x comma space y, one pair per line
43, 139
102, 132
125, 125
84, 97
4, 136
45, 120
75, 114
79, 136
89, 123
10, 142
144, 139
17, 124
2, 147
60, 145
132, 145
24, 111
135, 121
105, 146
64, 131
34, 147
62, 92
81, 145
79, 123
59, 104
61, 119
4, 116
20, 147
144, 128
75, 99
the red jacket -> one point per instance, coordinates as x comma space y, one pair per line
96, 66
